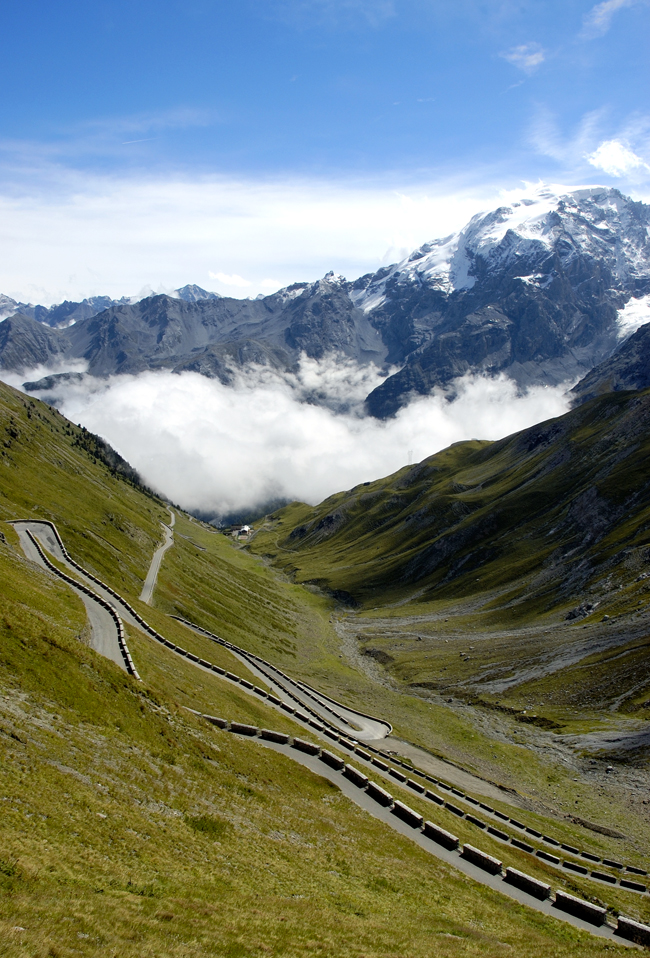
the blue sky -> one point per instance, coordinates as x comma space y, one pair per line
246, 145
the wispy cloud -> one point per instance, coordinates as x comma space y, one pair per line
527, 57
621, 151
104, 136
179, 118
67, 235
599, 19
547, 138
615, 158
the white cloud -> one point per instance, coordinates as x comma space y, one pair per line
618, 151
526, 57
65, 235
233, 280
598, 21
212, 447
615, 159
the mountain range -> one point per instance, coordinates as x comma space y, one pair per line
542, 290
68, 313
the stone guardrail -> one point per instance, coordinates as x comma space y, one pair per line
626, 928
498, 833
266, 667
124, 649
538, 889
487, 862
502, 835
581, 909
334, 733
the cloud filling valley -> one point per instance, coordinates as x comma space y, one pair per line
217, 449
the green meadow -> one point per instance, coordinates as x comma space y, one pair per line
130, 827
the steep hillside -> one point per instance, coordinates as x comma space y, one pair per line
132, 828
543, 515
52, 469
528, 556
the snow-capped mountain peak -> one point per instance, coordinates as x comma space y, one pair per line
524, 236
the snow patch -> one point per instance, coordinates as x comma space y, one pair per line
360, 298
593, 221
635, 313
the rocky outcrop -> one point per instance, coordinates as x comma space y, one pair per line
628, 368
26, 343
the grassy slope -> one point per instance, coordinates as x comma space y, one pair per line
498, 538
109, 526
130, 828
229, 593
81, 741
491, 507
481, 550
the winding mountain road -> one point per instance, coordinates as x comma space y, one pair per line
357, 724
154, 568
104, 637
354, 724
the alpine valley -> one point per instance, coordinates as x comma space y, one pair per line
411, 719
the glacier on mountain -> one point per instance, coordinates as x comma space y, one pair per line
595, 221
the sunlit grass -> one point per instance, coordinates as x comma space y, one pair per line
131, 828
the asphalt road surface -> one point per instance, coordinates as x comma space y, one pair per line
154, 568
103, 630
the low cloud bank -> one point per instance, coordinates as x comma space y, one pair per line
240, 237
219, 448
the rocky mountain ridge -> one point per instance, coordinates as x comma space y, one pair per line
542, 291
67, 313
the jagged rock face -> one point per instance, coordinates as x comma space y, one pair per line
159, 331
323, 318
210, 336
24, 343
213, 335
67, 313
531, 290
628, 368
192, 293
535, 290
